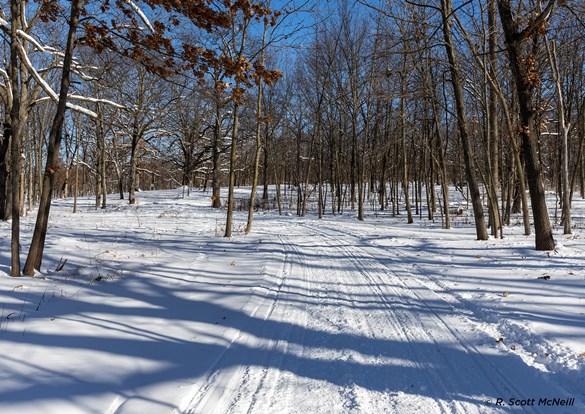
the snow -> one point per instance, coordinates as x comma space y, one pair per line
155, 312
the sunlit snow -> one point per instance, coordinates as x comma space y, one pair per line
154, 312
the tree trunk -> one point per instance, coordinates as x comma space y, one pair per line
493, 131
232, 176
133, 178
405, 179
76, 191
480, 227
565, 127
216, 158
361, 176
265, 168
37, 247
101, 170
578, 168
278, 195
30, 172
16, 133
525, 80
305, 194
321, 206
4, 176
258, 136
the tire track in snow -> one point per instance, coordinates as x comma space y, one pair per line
358, 334
371, 328
276, 383
352, 296
278, 387
396, 318
266, 388
232, 384
340, 310
263, 388
505, 382
412, 293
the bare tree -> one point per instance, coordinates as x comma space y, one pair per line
522, 60
565, 127
16, 134
35, 254
260, 120
480, 228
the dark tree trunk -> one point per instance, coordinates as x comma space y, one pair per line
480, 227
4, 159
37, 246
493, 127
525, 80
16, 133
133, 180
232, 175
216, 160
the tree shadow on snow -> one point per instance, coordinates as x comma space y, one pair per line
437, 369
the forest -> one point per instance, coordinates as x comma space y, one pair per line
358, 105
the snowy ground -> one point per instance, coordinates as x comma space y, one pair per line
154, 312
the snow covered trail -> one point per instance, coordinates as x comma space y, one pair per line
344, 331
155, 312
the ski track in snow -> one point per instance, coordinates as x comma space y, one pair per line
229, 372
370, 339
556, 357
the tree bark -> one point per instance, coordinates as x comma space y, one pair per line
4, 170
578, 168
526, 80
480, 227
232, 176
4, 160
216, 155
405, 178
565, 127
132, 182
76, 191
16, 133
258, 136
101, 167
35, 255
493, 127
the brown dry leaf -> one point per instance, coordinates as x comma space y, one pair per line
582, 355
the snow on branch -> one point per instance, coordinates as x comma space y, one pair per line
31, 39
140, 14
88, 99
38, 78
5, 86
96, 100
6, 26
82, 110
46, 87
